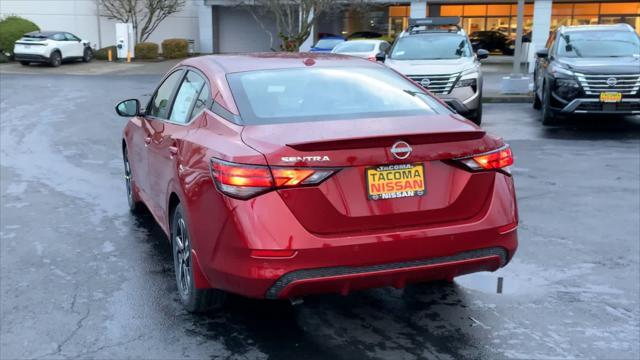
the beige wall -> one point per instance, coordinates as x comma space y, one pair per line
80, 18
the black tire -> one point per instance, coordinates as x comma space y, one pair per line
87, 56
477, 116
135, 205
537, 104
193, 300
548, 117
24, 63
55, 59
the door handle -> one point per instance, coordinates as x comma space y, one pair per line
147, 140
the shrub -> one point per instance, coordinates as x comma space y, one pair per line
175, 48
11, 29
146, 50
103, 54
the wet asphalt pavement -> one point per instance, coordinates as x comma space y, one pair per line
81, 278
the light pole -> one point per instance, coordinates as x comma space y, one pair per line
517, 83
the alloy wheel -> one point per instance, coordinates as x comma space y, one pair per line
127, 179
182, 256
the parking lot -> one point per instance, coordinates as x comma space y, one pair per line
81, 277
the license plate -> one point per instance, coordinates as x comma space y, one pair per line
395, 181
610, 97
26, 46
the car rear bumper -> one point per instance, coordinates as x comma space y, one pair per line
30, 57
345, 279
594, 106
344, 262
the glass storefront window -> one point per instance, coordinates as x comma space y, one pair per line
619, 8
528, 9
399, 11
474, 24
500, 24
562, 9
557, 21
474, 10
584, 20
451, 10
498, 10
586, 9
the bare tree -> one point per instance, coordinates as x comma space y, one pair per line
294, 18
144, 15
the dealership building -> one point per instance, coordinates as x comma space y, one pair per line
221, 26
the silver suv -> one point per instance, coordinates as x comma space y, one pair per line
436, 53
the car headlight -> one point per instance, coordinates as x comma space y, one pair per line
467, 82
566, 88
470, 73
562, 71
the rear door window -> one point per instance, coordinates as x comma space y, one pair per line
186, 98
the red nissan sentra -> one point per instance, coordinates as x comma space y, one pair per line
281, 175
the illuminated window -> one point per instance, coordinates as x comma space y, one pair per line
528, 9
586, 9
498, 10
620, 8
451, 10
562, 9
475, 10
398, 11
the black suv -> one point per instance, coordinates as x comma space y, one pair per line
588, 69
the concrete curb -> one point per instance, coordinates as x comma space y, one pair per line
507, 99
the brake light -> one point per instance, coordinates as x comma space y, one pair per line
243, 181
371, 58
499, 159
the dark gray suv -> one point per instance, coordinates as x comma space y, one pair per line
591, 69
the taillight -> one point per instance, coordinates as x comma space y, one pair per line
371, 58
243, 181
499, 159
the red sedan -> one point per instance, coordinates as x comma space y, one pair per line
281, 175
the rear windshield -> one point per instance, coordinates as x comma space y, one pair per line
349, 47
431, 47
328, 43
330, 93
577, 44
34, 37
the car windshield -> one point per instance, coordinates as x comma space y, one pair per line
327, 93
599, 44
431, 47
354, 47
328, 43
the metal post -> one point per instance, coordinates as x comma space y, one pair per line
518, 52
99, 24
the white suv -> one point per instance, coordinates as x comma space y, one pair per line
436, 53
51, 47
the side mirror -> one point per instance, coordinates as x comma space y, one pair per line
381, 56
482, 54
543, 53
128, 108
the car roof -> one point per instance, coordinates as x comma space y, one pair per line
44, 33
365, 41
600, 27
233, 63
